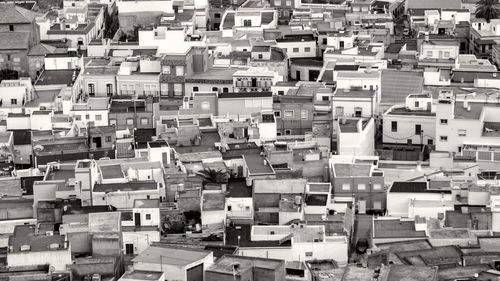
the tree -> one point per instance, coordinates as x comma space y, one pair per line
213, 176
8, 74
487, 9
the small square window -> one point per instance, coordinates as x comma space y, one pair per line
87, 116
377, 186
462, 133
346, 186
107, 138
281, 93
443, 138
148, 217
295, 50
288, 113
16, 59
307, 49
443, 121
215, 89
195, 89
277, 114
130, 121
288, 132
261, 56
78, 117
361, 186
309, 254
166, 69
98, 117
394, 126
112, 121
430, 141
13, 101
144, 121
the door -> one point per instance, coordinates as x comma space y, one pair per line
254, 82
129, 249
297, 75
97, 141
137, 219
361, 207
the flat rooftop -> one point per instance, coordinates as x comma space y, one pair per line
352, 170
226, 263
413, 273
170, 256
57, 77
142, 275
257, 164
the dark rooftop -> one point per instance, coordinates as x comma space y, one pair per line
128, 186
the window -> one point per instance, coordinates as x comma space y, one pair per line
377, 186
229, 208
303, 114
339, 111
277, 114
195, 89
11, 27
277, 2
98, 117
288, 113
225, 90
217, 15
107, 139
409, 141
177, 89
443, 138
179, 70
394, 126
430, 141
417, 104
358, 111
87, 116
295, 50
144, 121
446, 54
166, 69
109, 89
307, 49
16, 59
418, 129
112, 121
247, 23
247, 208
91, 89
261, 56
325, 98
148, 217
361, 186
13, 101
443, 121
309, 254
325, 41
130, 121
281, 93
288, 132
78, 117
346, 186
377, 205
215, 89
462, 133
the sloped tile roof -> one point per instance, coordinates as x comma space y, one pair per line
11, 13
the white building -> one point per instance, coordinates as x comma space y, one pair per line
355, 136
213, 210
143, 229
308, 242
469, 125
354, 103
92, 112
412, 123
239, 209
15, 94
408, 199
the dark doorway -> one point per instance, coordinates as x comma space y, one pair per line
137, 219
129, 249
313, 75
97, 141
254, 82
297, 75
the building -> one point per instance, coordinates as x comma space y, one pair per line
355, 136
413, 123
360, 181
230, 267
20, 34
177, 263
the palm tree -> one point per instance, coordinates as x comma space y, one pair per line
487, 9
213, 176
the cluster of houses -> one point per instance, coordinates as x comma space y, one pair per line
259, 140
